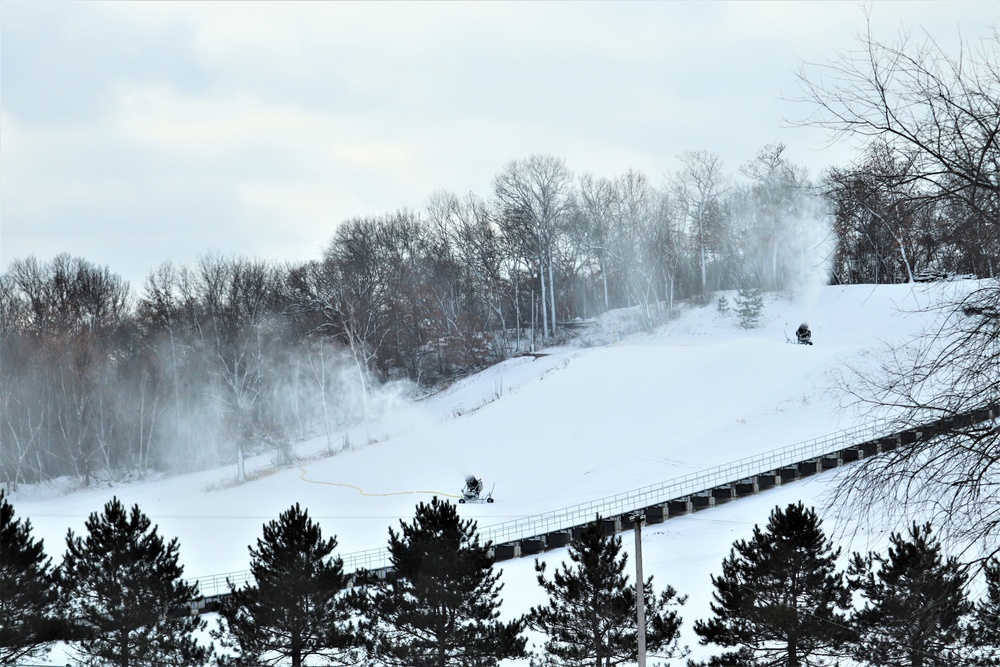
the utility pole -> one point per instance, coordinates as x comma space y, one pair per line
640, 588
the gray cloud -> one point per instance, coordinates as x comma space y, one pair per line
134, 133
63, 62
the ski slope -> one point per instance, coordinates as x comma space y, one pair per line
610, 413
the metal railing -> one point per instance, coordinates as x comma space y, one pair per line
615, 505
218, 584
680, 487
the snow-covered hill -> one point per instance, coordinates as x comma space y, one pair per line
609, 414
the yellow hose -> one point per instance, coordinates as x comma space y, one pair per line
365, 493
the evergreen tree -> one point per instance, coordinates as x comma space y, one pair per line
124, 584
779, 600
439, 605
297, 607
749, 306
914, 603
984, 631
590, 618
28, 593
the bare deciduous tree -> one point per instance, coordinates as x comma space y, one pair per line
886, 235
937, 113
537, 191
698, 190
634, 221
597, 196
940, 114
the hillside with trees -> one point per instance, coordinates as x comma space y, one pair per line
233, 356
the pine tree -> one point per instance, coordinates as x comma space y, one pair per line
439, 605
297, 607
124, 584
914, 603
590, 617
749, 307
779, 600
983, 634
28, 594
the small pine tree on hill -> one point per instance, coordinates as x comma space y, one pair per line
914, 603
749, 307
124, 584
590, 617
28, 594
779, 600
439, 605
297, 607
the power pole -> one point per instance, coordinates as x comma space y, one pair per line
640, 588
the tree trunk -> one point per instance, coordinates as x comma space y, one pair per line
604, 279
296, 649
517, 311
545, 314
552, 294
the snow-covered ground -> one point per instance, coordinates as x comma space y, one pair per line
611, 413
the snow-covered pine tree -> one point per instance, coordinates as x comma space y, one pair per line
779, 599
124, 585
914, 603
439, 605
984, 631
296, 607
590, 617
749, 306
28, 594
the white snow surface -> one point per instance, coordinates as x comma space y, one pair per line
578, 423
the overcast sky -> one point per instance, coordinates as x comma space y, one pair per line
135, 133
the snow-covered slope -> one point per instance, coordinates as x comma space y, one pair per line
572, 425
